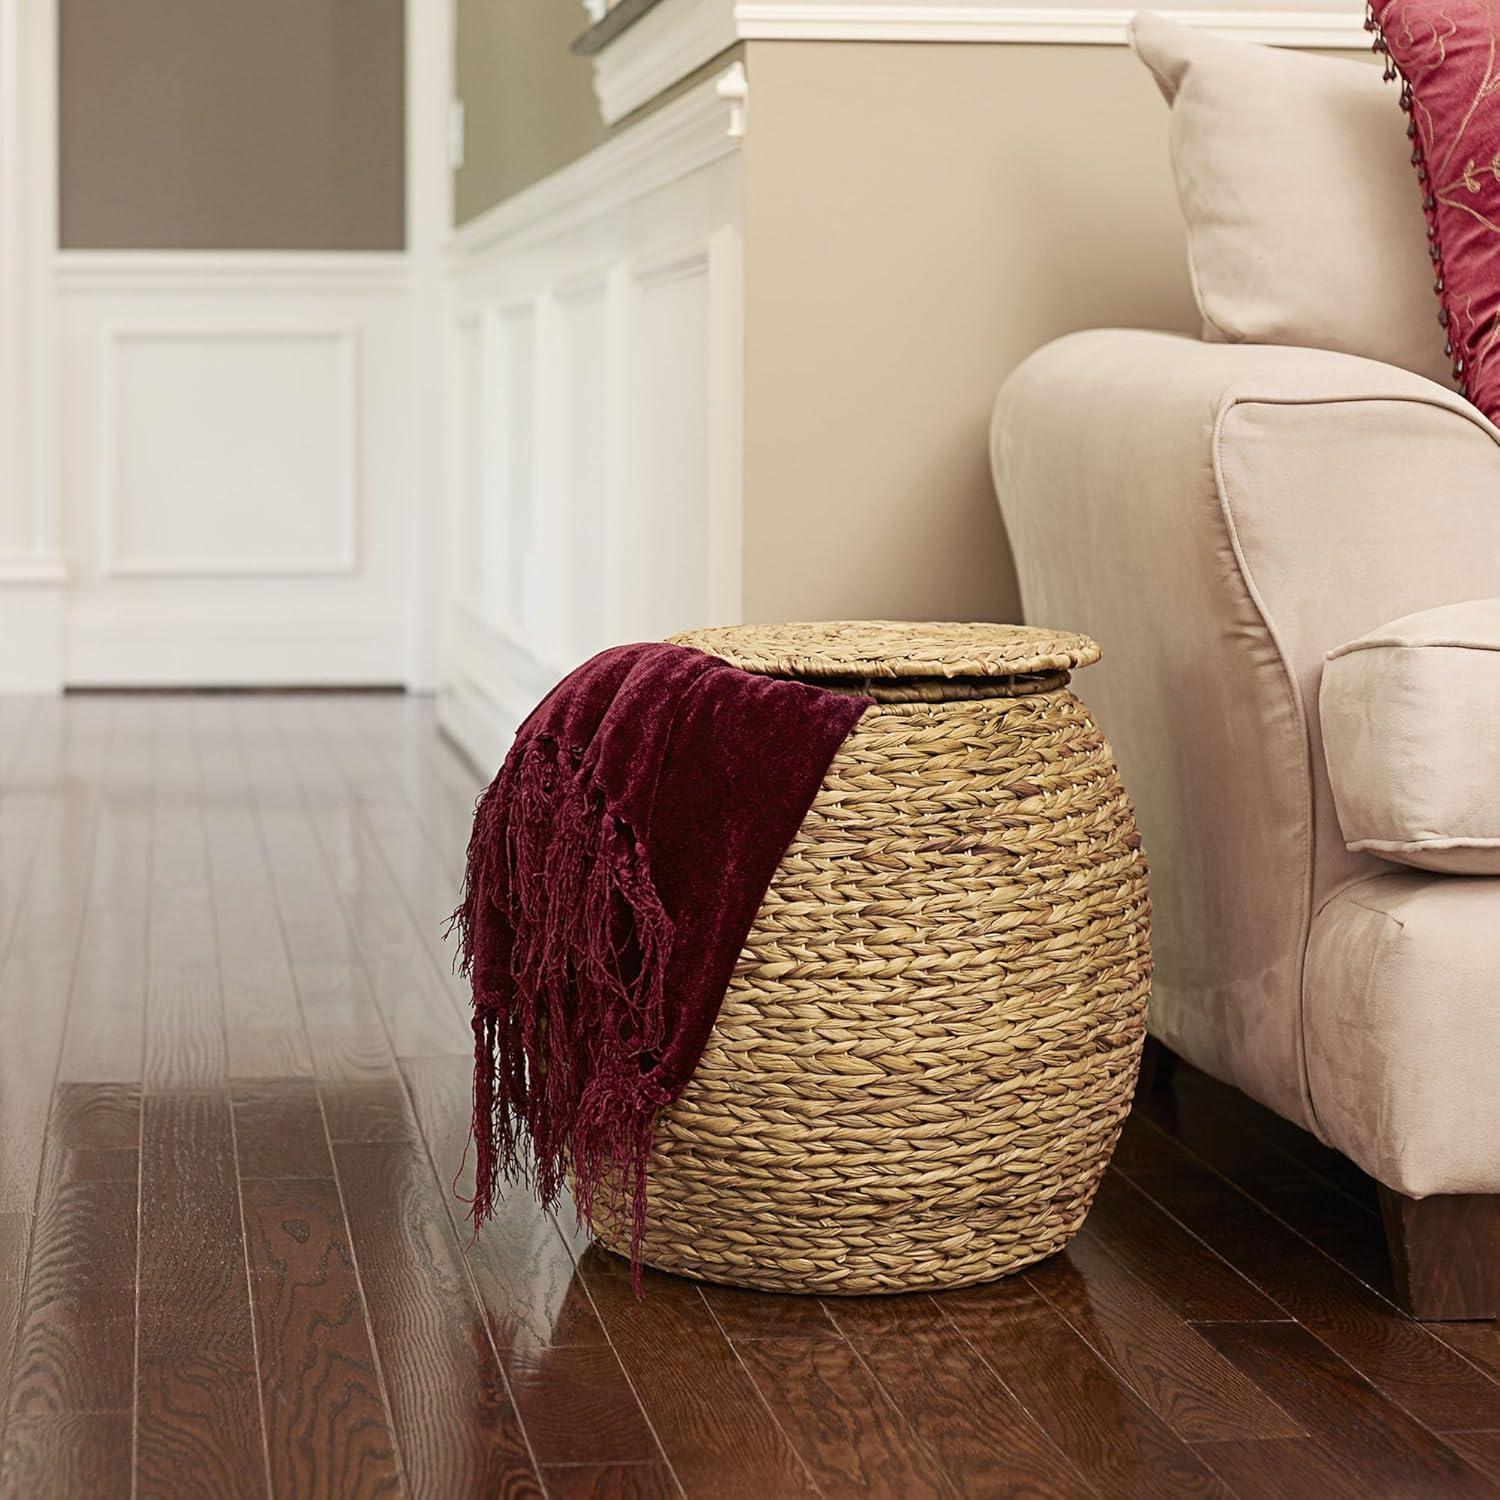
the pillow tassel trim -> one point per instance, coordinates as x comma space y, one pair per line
1381, 48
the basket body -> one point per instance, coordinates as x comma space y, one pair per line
932, 1034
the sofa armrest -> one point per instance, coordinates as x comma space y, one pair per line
1218, 517
1411, 731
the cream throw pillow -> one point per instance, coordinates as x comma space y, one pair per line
1304, 218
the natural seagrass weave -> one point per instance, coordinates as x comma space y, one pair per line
932, 1034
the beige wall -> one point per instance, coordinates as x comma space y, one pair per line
231, 124
918, 219
528, 102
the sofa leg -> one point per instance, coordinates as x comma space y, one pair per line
1158, 1064
1445, 1253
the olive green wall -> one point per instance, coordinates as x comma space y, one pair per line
232, 124
528, 102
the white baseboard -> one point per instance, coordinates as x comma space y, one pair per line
130, 649
477, 725
32, 602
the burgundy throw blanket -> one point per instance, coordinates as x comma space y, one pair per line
616, 865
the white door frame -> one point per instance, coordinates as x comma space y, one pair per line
32, 571
430, 33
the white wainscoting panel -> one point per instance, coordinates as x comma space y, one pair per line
578, 403
506, 569
229, 451
595, 468
236, 468
671, 421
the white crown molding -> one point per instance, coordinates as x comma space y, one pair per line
680, 137
976, 21
678, 36
670, 41
358, 272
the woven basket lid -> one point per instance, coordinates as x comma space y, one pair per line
893, 648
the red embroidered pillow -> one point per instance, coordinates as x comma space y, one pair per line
1446, 53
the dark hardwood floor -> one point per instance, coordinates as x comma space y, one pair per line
233, 1109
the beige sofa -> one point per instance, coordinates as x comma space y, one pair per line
1221, 518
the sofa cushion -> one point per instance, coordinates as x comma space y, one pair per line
1304, 223
1411, 729
1445, 50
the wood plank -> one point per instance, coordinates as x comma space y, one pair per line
427, 882
186, 1046
198, 1412
1400, 1357
718, 1435
12, 1274
107, 1013
610, 1482
1282, 1468
65, 1457
1118, 1444
437, 779
1477, 1342
744, 1314
327, 1429
1174, 1265
1362, 1431
36, 984
263, 1018
904, 1315
197, 1429
359, 1081
72, 1324
1322, 1161
1481, 1450
978, 1432
532, 1295
423, 1015
1227, 1132
35, 987
278, 1127
75, 1339
847, 1431
576, 1405
24, 819
105, 1039
1176, 1372
572, 1395
454, 1420
16, 717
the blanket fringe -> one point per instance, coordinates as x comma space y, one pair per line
569, 1018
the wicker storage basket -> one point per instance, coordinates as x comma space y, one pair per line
932, 1035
